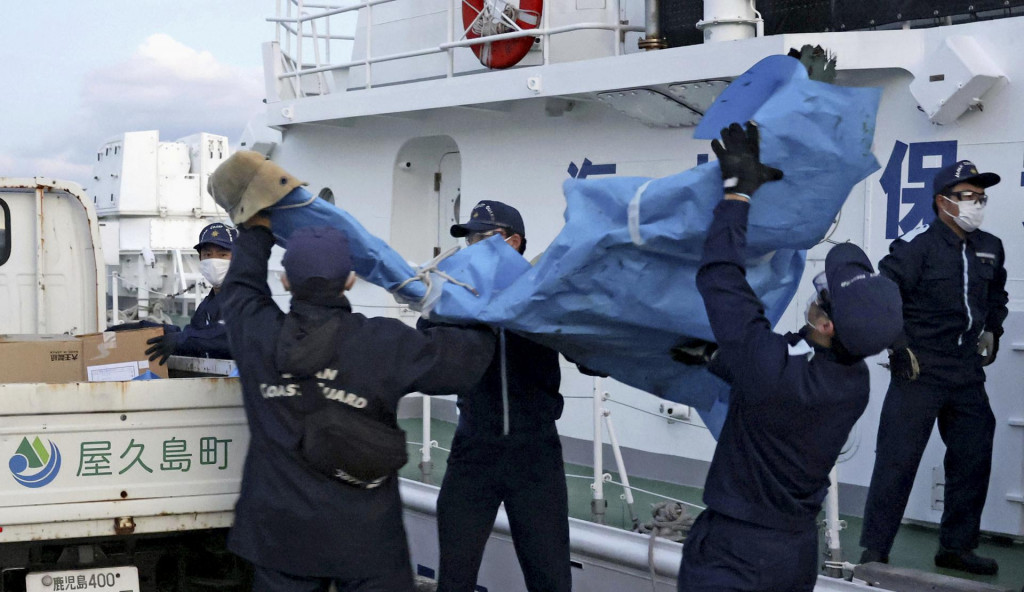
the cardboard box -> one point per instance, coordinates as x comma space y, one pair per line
119, 355
40, 358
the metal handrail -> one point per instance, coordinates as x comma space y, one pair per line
294, 26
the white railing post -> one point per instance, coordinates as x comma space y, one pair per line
451, 38
369, 43
833, 524
627, 492
115, 305
426, 464
599, 504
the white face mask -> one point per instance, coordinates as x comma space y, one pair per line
214, 270
971, 214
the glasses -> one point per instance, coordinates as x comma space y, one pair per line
479, 236
968, 195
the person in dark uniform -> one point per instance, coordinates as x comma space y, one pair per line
952, 279
303, 527
793, 401
205, 336
506, 449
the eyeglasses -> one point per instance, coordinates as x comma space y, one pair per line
479, 236
968, 195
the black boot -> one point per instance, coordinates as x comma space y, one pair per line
967, 561
872, 556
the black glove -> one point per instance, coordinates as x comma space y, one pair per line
163, 346
694, 352
903, 364
740, 160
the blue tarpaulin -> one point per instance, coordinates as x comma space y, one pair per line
616, 289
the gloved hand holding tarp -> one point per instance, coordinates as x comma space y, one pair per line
616, 290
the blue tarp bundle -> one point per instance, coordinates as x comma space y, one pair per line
616, 289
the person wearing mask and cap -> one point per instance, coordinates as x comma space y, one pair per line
319, 502
205, 336
953, 281
794, 398
506, 449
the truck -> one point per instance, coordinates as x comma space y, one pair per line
123, 486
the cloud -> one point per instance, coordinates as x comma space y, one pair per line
166, 86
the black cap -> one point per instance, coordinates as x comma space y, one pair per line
865, 308
963, 171
218, 234
489, 215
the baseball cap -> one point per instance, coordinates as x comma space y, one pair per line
865, 308
963, 171
218, 234
317, 259
489, 215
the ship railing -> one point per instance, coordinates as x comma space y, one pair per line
292, 34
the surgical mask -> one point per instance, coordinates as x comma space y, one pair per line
971, 214
214, 270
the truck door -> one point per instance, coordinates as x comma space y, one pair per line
50, 263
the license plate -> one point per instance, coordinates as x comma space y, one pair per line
105, 579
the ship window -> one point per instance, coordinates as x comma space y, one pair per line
5, 236
327, 195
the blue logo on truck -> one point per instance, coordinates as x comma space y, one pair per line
33, 464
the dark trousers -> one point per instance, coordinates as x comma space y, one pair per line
722, 554
966, 424
269, 580
529, 476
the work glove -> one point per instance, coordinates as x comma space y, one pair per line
988, 347
740, 161
903, 364
163, 346
694, 352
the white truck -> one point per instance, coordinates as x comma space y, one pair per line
122, 486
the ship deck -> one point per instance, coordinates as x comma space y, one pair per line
915, 544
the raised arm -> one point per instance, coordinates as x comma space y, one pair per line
248, 304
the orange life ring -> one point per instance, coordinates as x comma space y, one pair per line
507, 53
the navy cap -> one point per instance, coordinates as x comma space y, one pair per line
963, 171
865, 308
489, 215
218, 234
317, 253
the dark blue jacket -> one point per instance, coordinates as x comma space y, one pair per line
791, 406
944, 314
289, 517
206, 335
530, 402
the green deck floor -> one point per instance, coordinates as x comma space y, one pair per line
915, 545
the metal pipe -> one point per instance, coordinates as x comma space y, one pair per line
626, 490
465, 43
451, 38
369, 43
832, 522
652, 38
115, 304
598, 504
426, 464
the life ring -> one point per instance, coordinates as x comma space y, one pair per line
479, 16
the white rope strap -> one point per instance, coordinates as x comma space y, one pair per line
423, 274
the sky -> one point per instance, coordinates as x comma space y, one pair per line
78, 73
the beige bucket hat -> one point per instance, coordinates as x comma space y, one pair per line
247, 182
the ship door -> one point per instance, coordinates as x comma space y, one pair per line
449, 198
426, 197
